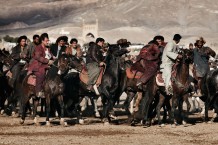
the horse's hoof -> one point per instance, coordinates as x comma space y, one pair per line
173, 125
83, 108
106, 123
210, 122
21, 121
48, 123
184, 122
81, 121
2, 112
13, 114
113, 117
162, 125
62, 121
36, 121
97, 115
132, 123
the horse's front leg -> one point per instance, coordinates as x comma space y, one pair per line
35, 105
207, 104
61, 103
158, 108
94, 104
130, 96
174, 99
23, 102
185, 115
48, 108
148, 98
42, 112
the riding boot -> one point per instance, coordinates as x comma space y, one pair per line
11, 82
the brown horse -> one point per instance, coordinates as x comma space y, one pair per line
53, 88
180, 84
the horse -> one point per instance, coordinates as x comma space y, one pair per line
143, 106
180, 84
10, 92
110, 81
210, 91
53, 87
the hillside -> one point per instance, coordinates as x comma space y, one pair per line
137, 20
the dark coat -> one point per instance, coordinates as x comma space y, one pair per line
54, 50
147, 62
17, 52
201, 60
38, 61
94, 54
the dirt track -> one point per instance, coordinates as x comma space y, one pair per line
94, 132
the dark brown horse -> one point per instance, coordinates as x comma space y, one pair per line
53, 88
10, 92
181, 84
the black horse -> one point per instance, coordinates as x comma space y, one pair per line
111, 80
9, 92
210, 93
110, 83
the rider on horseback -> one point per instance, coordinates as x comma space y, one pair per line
94, 60
170, 54
147, 62
201, 62
39, 63
19, 55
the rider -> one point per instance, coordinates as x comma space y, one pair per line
148, 62
39, 63
94, 60
59, 47
19, 53
74, 48
201, 61
32, 45
170, 54
161, 43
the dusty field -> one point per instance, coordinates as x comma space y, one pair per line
94, 132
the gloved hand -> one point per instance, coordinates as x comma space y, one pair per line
50, 62
102, 64
179, 56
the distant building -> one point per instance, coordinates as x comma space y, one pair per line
63, 32
89, 31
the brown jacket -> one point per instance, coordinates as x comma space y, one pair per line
78, 51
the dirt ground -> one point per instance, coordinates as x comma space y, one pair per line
93, 132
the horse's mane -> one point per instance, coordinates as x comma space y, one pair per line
52, 72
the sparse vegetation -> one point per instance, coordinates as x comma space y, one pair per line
8, 38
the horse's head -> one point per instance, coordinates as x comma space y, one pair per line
115, 56
6, 58
76, 63
187, 56
63, 63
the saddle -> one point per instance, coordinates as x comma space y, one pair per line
85, 78
134, 74
31, 80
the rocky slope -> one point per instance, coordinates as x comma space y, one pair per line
137, 20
